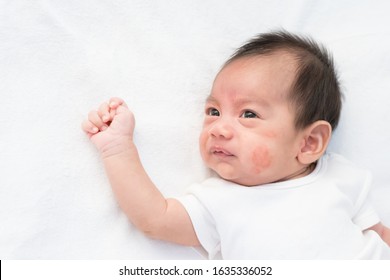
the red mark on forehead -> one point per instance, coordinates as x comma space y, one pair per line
261, 159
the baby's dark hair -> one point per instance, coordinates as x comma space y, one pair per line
316, 91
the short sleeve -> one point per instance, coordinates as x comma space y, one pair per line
365, 214
203, 223
366, 217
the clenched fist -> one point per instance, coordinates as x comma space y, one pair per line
110, 127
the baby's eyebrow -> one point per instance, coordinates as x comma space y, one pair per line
259, 101
211, 99
242, 101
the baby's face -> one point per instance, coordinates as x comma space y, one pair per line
248, 135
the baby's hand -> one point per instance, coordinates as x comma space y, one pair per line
111, 126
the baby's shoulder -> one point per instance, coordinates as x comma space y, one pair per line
338, 165
348, 177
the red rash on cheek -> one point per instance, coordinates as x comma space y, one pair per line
261, 159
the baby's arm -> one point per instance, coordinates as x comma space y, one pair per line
111, 130
383, 231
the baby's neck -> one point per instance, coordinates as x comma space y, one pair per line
300, 173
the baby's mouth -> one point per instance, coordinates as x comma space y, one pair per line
218, 151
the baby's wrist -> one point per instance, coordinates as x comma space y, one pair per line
121, 146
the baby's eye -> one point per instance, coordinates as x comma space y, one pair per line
212, 112
249, 115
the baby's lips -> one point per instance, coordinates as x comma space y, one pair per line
220, 150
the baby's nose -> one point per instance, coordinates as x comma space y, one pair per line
222, 129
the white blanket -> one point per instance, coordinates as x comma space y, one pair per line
59, 59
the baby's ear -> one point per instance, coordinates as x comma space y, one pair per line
315, 140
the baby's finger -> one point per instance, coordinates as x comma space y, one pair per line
96, 120
104, 112
89, 127
112, 114
115, 102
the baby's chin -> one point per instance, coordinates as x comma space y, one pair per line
246, 181
229, 172
225, 172
230, 177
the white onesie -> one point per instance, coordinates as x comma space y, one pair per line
319, 216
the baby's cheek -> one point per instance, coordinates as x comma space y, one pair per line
202, 146
261, 159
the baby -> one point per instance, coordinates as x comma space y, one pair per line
277, 193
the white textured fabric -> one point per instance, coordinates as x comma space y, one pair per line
319, 216
59, 59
